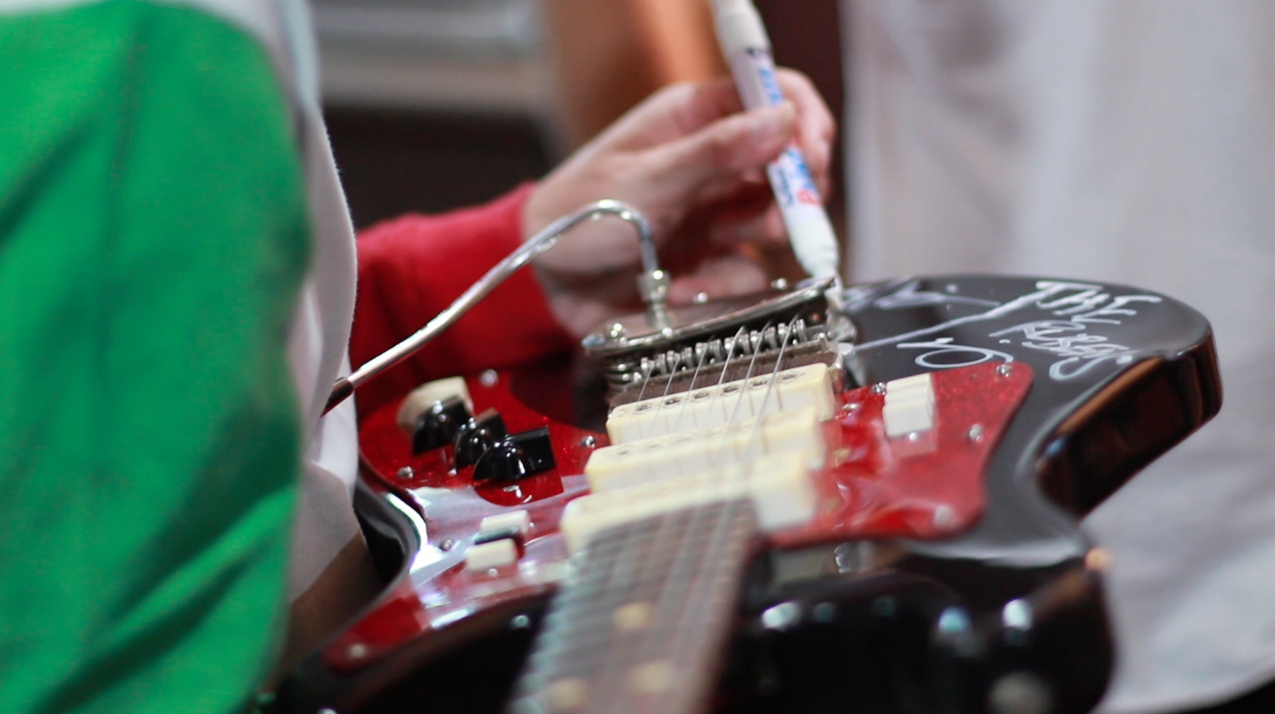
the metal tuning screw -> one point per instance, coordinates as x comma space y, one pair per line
653, 287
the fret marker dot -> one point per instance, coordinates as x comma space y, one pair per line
652, 677
634, 616
567, 694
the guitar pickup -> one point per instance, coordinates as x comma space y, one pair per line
779, 487
693, 451
792, 389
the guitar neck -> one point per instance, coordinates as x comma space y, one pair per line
646, 615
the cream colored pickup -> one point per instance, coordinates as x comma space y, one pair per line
778, 485
756, 439
675, 456
707, 407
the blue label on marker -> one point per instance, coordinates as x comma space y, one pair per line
779, 182
766, 74
806, 191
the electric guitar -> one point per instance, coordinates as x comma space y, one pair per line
769, 504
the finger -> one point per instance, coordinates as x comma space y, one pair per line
760, 227
674, 112
747, 187
815, 118
722, 276
709, 101
738, 218
728, 149
816, 127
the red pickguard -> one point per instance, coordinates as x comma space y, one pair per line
870, 487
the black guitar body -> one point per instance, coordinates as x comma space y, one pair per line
1007, 617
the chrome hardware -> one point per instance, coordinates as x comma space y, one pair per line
653, 283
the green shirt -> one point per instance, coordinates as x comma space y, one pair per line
153, 236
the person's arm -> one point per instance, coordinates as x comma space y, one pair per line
153, 235
687, 158
412, 267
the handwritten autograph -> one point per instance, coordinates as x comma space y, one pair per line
1075, 336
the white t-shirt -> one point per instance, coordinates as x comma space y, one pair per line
1130, 141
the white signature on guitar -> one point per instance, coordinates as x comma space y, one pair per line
1074, 336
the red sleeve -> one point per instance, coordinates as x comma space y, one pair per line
412, 267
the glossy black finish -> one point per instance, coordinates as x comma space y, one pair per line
903, 641
477, 436
1009, 610
1121, 376
517, 456
439, 425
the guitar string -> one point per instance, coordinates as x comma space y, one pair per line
678, 567
721, 379
620, 660
677, 590
732, 506
615, 579
725, 517
739, 402
685, 400
770, 388
741, 333
615, 575
645, 382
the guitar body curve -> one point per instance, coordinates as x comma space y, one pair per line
978, 598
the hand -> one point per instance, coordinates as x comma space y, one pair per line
694, 166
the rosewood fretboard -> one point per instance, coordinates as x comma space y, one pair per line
641, 624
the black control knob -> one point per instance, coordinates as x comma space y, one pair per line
477, 436
438, 425
518, 456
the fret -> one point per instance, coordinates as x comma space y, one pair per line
647, 613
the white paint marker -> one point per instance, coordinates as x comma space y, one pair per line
744, 42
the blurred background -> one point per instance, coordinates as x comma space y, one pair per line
437, 104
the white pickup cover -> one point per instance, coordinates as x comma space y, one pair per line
675, 456
707, 407
778, 486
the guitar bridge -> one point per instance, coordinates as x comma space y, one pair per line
700, 339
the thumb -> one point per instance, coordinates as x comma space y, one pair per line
724, 149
